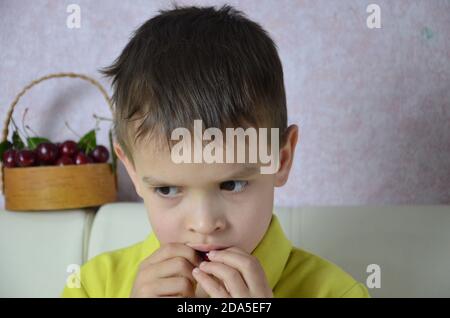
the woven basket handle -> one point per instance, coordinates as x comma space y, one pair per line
35, 82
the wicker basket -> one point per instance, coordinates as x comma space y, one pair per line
57, 187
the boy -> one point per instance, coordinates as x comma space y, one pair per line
214, 231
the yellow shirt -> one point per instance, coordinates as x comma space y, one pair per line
291, 272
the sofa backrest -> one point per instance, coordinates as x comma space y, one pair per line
410, 244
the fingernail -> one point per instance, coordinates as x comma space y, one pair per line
211, 254
202, 264
196, 270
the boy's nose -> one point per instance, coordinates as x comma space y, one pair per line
206, 219
205, 228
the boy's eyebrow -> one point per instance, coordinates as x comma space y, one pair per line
247, 171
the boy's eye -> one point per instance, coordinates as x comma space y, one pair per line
233, 185
167, 191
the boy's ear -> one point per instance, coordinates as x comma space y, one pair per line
286, 156
128, 166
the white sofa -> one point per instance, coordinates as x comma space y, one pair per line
410, 244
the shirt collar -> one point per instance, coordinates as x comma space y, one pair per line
272, 251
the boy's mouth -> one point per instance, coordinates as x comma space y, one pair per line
202, 250
203, 256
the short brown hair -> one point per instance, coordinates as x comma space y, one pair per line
192, 63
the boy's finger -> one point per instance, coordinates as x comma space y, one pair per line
209, 285
246, 264
173, 286
171, 250
237, 250
231, 278
177, 266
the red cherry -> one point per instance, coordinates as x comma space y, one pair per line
47, 153
58, 146
81, 158
69, 148
203, 256
9, 158
100, 154
25, 158
64, 161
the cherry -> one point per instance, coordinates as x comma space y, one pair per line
69, 148
64, 160
47, 153
81, 158
9, 158
100, 154
25, 158
203, 256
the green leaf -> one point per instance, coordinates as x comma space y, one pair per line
33, 142
3, 147
88, 142
17, 141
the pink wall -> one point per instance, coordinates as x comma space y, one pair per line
373, 105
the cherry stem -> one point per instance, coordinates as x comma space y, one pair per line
29, 128
23, 121
17, 128
101, 118
98, 119
97, 124
67, 125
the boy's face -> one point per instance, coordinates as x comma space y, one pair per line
207, 206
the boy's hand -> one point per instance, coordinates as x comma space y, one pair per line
241, 274
167, 272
